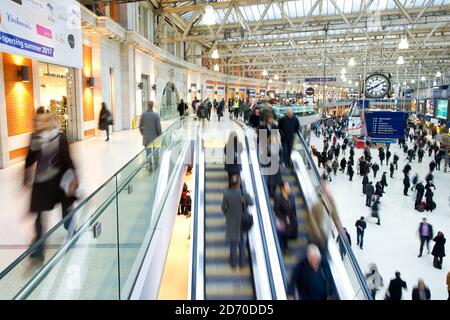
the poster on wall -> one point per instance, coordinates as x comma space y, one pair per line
430, 107
442, 108
421, 106
48, 31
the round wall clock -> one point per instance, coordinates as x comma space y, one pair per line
377, 86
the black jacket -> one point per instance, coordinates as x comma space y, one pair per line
360, 224
288, 128
365, 180
439, 247
415, 294
312, 285
406, 182
395, 289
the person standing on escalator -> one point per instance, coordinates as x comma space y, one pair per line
233, 150
285, 215
234, 206
289, 127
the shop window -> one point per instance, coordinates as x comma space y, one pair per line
57, 93
169, 101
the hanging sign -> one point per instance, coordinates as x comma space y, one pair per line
48, 31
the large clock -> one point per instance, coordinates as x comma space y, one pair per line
377, 86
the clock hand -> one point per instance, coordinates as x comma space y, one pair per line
371, 88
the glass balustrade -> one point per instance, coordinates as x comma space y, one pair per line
110, 231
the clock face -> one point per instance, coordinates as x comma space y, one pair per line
377, 86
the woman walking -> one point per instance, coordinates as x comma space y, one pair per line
105, 120
438, 251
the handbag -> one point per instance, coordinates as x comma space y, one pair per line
109, 119
67, 180
247, 219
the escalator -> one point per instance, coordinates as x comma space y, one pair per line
221, 281
305, 184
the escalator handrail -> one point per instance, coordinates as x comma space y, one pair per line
197, 291
271, 217
352, 257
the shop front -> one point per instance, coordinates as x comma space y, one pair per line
43, 70
57, 94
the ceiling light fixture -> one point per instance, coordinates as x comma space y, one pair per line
276, 77
423, 79
264, 73
215, 54
352, 62
270, 80
400, 60
413, 81
209, 16
216, 67
438, 74
343, 71
403, 43
288, 83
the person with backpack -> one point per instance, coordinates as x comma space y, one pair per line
286, 217
234, 207
105, 120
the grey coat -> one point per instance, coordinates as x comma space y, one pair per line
150, 127
233, 210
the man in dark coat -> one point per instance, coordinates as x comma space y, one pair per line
182, 107
369, 191
233, 205
350, 171
312, 279
360, 225
383, 181
255, 118
343, 164
375, 168
395, 287
396, 158
208, 107
425, 235
364, 182
407, 169
388, 155
420, 188
392, 169
432, 165
421, 153
406, 184
288, 126
381, 155
438, 159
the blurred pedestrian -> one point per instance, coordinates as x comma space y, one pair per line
149, 126
311, 278
182, 107
286, 217
396, 287
289, 127
232, 151
373, 279
50, 170
421, 292
340, 240
234, 206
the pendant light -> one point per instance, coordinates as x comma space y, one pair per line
352, 62
216, 67
215, 54
264, 73
403, 43
400, 60
209, 16
438, 74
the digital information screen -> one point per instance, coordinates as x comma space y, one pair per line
442, 107
385, 124
421, 106
430, 107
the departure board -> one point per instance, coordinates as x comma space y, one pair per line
385, 124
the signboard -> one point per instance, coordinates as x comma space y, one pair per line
242, 89
414, 105
421, 106
429, 111
442, 108
48, 31
385, 124
310, 91
209, 88
312, 80
221, 89
232, 88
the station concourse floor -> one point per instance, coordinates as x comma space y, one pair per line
95, 160
394, 245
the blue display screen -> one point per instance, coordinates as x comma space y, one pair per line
385, 124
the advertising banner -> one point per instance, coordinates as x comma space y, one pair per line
430, 107
442, 108
385, 124
48, 31
421, 106
313, 80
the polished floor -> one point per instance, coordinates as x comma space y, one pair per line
394, 245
